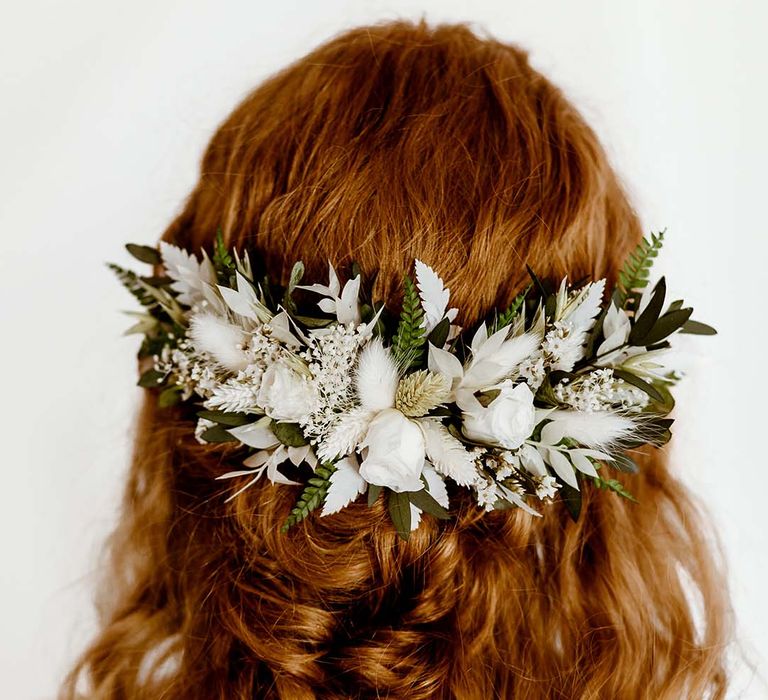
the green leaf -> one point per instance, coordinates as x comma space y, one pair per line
596, 331
503, 504
424, 500
641, 384
697, 328
150, 297
667, 325
311, 322
135, 285
571, 497
634, 275
667, 402
373, 493
644, 322
222, 260
409, 341
217, 434
536, 281
439, 333
144, 253
151, 379
289, 434
486, 398
169, 397
233, 420
400, 511
658, 431
296, 274
311, 497
615, 486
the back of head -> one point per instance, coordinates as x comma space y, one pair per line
386, 144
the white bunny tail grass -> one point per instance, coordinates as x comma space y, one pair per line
220, 339
598, 430
377, 377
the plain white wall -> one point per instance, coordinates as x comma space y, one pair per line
105, 108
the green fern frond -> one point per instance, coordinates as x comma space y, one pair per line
135, 285
149, 296
222, 260
634, 275
615, 486
506, 317
409, 341
312, 495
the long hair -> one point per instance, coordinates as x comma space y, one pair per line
385, 144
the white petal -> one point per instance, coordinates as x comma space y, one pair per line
616, 327
446, 453
497, 359
244, 300
532, 460
434, 295
347, 433
279, 456
297, 455
334, 286
435, 485
581, 463
212, 297
256, 434
596, 454
563, 468
347, 308
187, 273
518, 501
346, 486
586, 306
327, 305
415, 516
562, 298
280, 325
479, 339
317, 288
443, 362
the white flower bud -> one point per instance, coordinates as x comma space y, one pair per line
396, 453
507, 421
286, 395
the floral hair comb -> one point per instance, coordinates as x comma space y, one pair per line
345, 398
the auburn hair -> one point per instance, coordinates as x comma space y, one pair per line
388, 143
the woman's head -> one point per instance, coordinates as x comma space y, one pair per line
386, 144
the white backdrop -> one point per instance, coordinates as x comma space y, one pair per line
105, 108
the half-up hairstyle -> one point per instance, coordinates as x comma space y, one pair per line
385, 144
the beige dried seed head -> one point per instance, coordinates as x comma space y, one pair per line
420, 392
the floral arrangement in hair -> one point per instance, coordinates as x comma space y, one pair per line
348, 400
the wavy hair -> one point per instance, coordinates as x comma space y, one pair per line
388, 143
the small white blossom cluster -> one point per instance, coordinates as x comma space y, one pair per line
330, 356
402, 412
191, 372
600, 391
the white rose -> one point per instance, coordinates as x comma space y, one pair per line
395, 454
507, 421
286, 395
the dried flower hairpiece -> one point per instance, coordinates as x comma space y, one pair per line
352, 400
